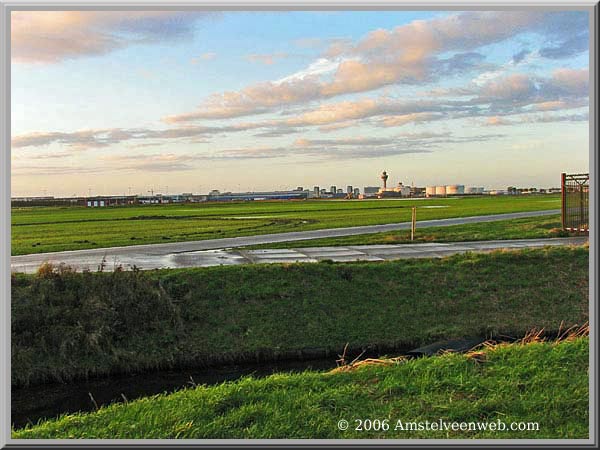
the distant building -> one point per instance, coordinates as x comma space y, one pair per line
356, 192
111, 200
474, 190
349, 189
333, 189
257, 196
398, 191
148, 199
417, 191
370, 191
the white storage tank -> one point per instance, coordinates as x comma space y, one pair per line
429, 191
440, 190
455, 189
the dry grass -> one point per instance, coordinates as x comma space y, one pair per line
477, 354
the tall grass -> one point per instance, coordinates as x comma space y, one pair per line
69, 325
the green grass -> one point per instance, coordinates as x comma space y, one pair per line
546, 383
51, 229
78, 324
528, 228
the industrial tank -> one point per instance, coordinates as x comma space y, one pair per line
455, 189
429, 191
440, 190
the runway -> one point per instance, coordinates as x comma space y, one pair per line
223, 251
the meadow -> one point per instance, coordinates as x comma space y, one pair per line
527, 228
537, 382
68, 325
51, 229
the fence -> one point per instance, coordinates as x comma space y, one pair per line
575, 201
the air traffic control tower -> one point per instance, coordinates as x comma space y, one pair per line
384, 177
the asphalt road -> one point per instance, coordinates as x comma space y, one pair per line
185, 254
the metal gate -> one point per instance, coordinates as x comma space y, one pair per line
575, 201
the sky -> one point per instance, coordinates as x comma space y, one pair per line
172, 102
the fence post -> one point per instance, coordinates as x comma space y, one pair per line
563, 193
413, 226
581, 209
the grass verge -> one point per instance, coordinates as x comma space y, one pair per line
69, 325
53, 229
529, 228
539, 382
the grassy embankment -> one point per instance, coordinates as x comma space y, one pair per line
67, 325
546, 383
51, 229
529, 228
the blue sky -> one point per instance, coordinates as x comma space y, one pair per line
275, 100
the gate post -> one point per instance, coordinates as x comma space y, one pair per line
563, 178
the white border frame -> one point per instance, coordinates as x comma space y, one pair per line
7, 6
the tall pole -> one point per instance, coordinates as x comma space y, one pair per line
413, 225
563, 191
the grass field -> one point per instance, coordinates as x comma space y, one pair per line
529, 228
78, 324
49, 229
543, 383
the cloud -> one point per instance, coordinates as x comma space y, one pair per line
278, 132
319, 67
344, 142
568, 36
365, 147
54, 36
536, 118
337, 126
570, 82
85, 139
520, 56
267, 59
204, 57
78, 139
514, 94
566, 88
496, 121
517, 86
422, 51
403, 119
